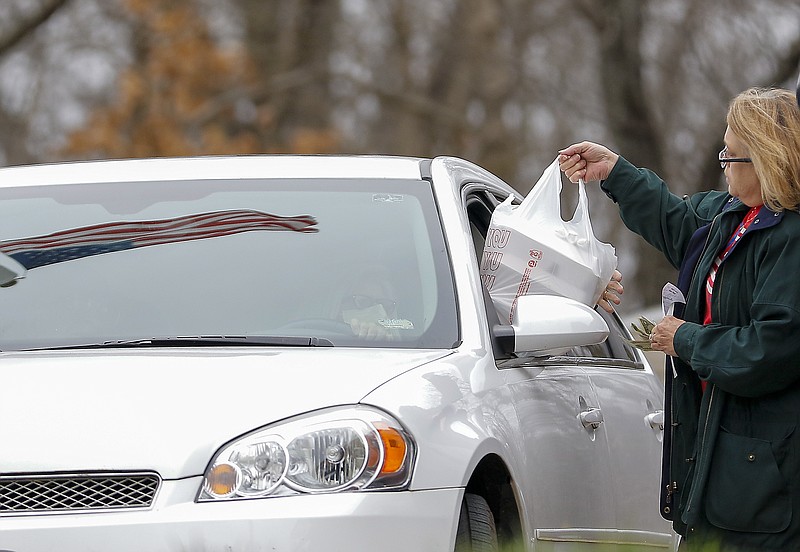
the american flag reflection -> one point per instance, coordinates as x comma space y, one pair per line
97, 239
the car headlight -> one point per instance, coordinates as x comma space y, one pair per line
338, 449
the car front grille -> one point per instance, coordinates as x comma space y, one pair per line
46, 494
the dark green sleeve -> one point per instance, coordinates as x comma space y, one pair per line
647, 207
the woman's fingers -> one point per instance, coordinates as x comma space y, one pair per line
587, 161
573, 166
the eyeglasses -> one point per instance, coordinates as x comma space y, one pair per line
366, 301
724, 159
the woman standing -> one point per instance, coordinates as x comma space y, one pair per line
731, 468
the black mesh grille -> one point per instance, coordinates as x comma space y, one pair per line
76, 492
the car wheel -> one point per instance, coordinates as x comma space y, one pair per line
476, 530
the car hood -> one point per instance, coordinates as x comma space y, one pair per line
168, 410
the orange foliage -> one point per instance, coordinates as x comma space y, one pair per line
308, 140
178, 97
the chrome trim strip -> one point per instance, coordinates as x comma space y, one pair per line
606, 536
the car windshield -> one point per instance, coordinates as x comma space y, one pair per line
358, 263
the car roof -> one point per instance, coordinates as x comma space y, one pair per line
214, 168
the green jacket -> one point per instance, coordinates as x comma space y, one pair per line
732, 452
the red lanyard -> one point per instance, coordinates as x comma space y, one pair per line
712, 274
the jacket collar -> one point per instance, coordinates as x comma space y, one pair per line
765, 218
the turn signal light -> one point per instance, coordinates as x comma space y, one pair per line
394, 449
222, 480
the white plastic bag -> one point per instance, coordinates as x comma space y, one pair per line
531, 250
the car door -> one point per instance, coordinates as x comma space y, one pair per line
592, 426
631, 401
566, 476
604, 490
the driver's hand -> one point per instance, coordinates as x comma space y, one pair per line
371, 331
611, 295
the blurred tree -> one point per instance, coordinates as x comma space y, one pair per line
17, 23
440, 78
470, 76
22, 22
290, 43
178, 97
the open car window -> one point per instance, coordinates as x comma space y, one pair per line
480, 204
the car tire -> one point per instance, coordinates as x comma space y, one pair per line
476, 529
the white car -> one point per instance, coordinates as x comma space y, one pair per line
295, 353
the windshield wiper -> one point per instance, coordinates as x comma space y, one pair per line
203, 341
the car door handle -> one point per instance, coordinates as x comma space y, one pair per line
591, 418
655, 420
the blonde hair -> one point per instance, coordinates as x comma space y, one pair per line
767, 121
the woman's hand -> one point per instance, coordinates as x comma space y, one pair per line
587, 161
663, 335
611, 295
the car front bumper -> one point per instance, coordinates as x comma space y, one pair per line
387, 521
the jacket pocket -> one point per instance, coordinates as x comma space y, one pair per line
746, 491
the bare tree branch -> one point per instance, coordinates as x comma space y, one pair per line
27, 26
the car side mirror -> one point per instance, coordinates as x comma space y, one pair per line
549, 324
10, 271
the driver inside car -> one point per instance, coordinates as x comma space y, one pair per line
369, 307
